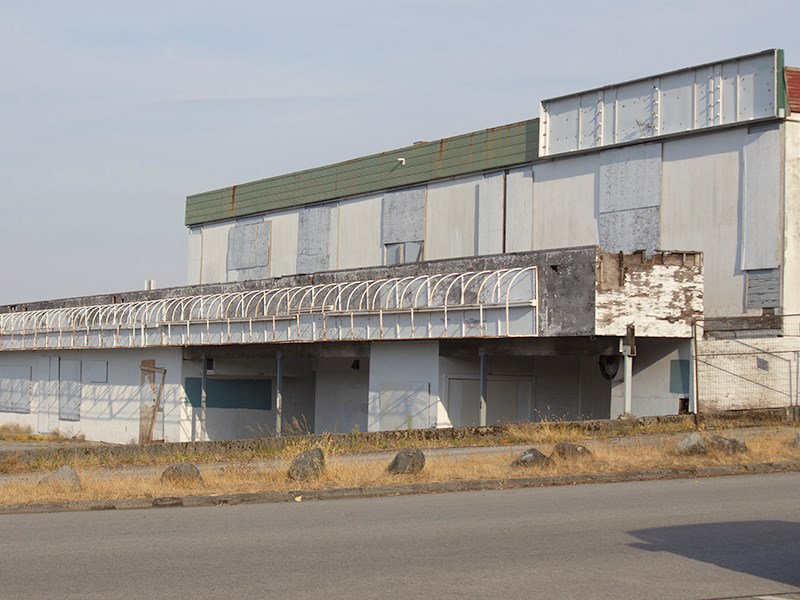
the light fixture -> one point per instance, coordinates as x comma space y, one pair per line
402, 161
356, 365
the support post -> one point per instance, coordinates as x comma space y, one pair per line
279, 394
628, 383
628, 349
484, 386
203, 380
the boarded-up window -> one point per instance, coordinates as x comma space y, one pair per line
69, 390
405, 406
313, 239
254, 394
630, 197
15, 389
763, 288
248, 250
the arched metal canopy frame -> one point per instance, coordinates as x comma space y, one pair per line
131, 324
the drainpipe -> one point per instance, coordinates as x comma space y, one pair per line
279, 394
203, 380
484, 386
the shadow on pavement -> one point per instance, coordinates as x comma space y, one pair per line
767, 549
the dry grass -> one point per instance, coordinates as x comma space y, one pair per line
610, 456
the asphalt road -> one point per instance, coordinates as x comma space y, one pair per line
708, 538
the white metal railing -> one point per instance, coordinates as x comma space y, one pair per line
177, 319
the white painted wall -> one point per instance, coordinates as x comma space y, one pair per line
342, 394
109, 410
403, 383
359, 233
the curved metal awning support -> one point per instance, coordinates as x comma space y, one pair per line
499, 303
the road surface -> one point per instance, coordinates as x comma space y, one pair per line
707, 538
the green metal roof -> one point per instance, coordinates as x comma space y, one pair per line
474, 152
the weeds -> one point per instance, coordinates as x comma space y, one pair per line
609, 456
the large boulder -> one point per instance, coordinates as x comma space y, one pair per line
181, 473
410, 460
308, 465
64, 477
532, 457
726, 445
565, 450
692, 445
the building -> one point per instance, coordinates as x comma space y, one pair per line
552, 268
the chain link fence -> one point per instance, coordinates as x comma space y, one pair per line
748, 363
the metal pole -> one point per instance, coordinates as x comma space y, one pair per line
279, 394
628, 360
484, 386
203, 380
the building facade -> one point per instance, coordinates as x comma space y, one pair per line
552, 268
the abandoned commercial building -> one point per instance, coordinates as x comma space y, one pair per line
552, 268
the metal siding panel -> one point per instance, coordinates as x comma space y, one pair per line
676, 103
451, 219
475, 152
591, 116
195, 255
519, 210
490, 215
636, 117
283, 253
761, 232
564, 202
214, 252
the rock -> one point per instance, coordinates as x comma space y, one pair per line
796, 443
308, 465
531, 458
64, 477
692, 445
567, 450
410, 460
726, 445
181, 473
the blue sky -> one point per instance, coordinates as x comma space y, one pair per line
112, 112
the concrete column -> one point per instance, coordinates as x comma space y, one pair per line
279, 394
203, 380
484, 386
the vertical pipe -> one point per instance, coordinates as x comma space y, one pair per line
203, 380
484, 386
279, 394
628, 359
